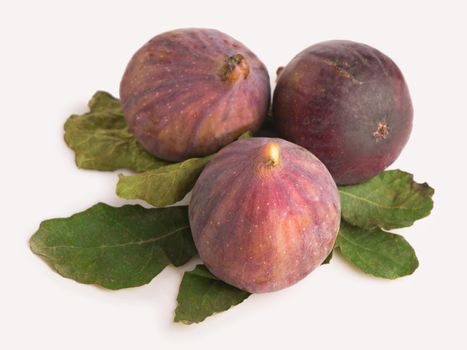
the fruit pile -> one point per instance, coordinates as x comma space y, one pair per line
193, 116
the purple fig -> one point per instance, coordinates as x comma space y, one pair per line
189, 92
348, 104
264, 213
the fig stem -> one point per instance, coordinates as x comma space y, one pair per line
234, 68
278, 72
272, 154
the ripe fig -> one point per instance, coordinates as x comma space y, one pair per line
188, 92
264, 213
348, 104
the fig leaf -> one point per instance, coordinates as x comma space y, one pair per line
115, 247
376, 252
390, 200
163, 186
329, 257
101, 139
201, 295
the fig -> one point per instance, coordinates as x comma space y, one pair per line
264, 213
188, 92
348, 104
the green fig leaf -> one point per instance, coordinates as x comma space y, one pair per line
390, 200
101, 139
328, 258
245, 135
163, 186
201, 295
376, 252
115, 247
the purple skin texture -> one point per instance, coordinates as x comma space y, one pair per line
348, 104
264, 213
188, 92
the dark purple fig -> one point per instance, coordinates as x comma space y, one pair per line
264, 213
348, 104
189, 92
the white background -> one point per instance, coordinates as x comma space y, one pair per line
54, 56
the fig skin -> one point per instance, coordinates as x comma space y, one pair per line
348, 104
189, 92
264, 213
